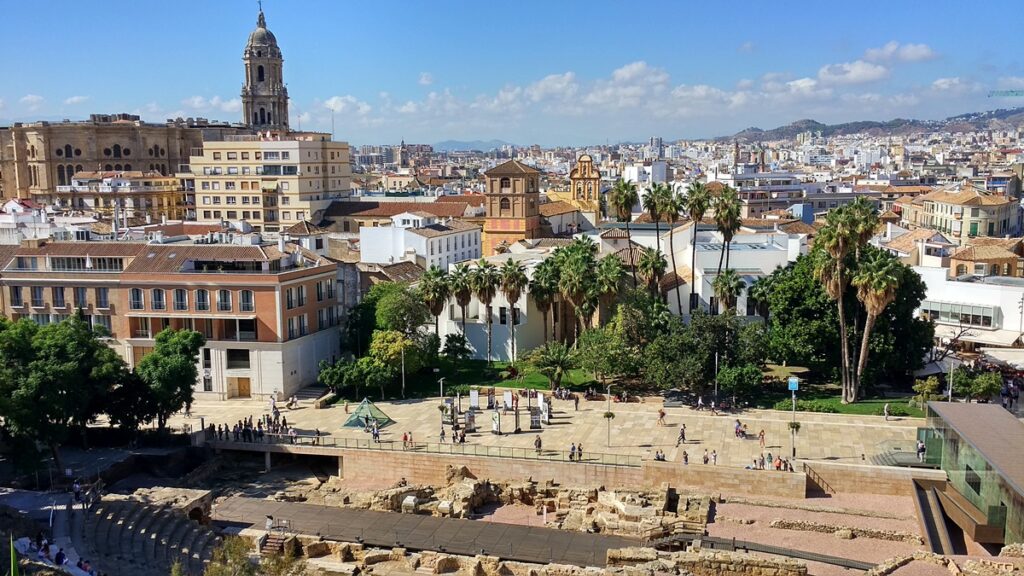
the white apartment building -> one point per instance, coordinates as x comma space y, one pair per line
422, 238
977, 310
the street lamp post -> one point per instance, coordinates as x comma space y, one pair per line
794, 384
440, 384
403, 370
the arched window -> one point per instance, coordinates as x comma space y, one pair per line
263, 116
259, 53
108, 167
504, 204
270, 120
78, 168
127, 166
224, 300
68, 151
117, 167
202, 300
117, 150
159, 302
60, 176
137, 301
259, 73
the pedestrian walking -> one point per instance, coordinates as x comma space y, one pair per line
885, 411
920, 451
442, 434
405, 441
579, 452
706, 457
760, 438
537, 444
686, 458
700, 403
576, 402
572, 452
714, 458
713, 413
661, 417
682, 435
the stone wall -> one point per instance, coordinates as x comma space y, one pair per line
860, 479
385, 468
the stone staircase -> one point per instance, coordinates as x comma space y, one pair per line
273, 545
310, 393
129, 538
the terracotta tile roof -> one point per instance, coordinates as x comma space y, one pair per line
888, 215
130, 174
389, 209
911, 190
966, 194
624, 254
673, 279
512, 168
906, 200
556, 208
7, 252
171, 258
614, 234
185, 228
908, 241
545, 242
798, 227
983, 253
1008, 243
304, 228
443, 228
402, 272
94, 249
474, 200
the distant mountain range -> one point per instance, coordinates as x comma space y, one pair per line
991, 120
465, 145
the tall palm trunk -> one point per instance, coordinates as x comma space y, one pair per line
545, 313
862, 362
437, 326
488, 312
845, 352
512, 319
464, 321
728, 252
632, 259
693, 269
721, 258
675, 271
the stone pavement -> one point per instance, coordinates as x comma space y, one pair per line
634, 430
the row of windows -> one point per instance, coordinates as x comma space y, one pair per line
207, 200
269, 155
101, 324
58, 297
474, 240
158, 300
269, 216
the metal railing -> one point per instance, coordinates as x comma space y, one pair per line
630, 460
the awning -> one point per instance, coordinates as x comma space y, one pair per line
978, 335
1010, 356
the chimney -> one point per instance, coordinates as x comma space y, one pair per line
888, 230
280, 243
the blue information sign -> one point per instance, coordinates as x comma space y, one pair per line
794, 383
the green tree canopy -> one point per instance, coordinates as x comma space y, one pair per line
553, 360
170, 371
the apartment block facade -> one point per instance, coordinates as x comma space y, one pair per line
271, 182
269, 312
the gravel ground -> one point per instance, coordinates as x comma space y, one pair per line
762, 516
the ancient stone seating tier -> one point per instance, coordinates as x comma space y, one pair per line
129, 538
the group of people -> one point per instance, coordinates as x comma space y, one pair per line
659, 456
576, 452
767, 462
700, 407
1009, 394
458, 435
43, 549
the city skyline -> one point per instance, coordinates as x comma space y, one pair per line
567, 77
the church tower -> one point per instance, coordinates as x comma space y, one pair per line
513, 201
264, 95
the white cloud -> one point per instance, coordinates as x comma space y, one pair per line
203, 104
629, 86
954, 86
747, 47
554, 86
71, 101
1011, 82
745, 84
31, 102
893, 50
426, 78
347, 104
856, 72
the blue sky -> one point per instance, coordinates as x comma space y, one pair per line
555, 72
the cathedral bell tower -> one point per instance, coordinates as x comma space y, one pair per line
264, 95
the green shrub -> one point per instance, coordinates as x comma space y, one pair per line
806, 406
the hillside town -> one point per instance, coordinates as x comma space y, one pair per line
233, 346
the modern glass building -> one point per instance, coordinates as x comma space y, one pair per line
981, 449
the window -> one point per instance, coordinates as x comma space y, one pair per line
289, 298
102, 325
180, 299
58, 297
224, 300
502, 315
301, 295
238, 359
232, 155
319, 291
245, 155
231, 200
16, 300
159, 303
103, 297
504, 204
285, 155
246, 303
136, 298
37, 296
202, 300
292, 332
216, 155
972, 479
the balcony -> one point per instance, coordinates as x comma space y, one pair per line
136, 305
38, 303
147, 334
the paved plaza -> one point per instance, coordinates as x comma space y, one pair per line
634, 430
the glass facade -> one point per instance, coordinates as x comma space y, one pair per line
971, 475
960, 313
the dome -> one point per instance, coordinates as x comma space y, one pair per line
261, 36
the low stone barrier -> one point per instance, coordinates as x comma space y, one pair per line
847, 532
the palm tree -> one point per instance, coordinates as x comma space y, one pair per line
865, 225
728, 286
608, 279
836, 240
544, 288
674, 206
652, 267
461, 286
623, 198
575, 279
760, 291
485, 280
435, 292
513, 282
697, 203
727, 218
654, 204
554, 360
877, 279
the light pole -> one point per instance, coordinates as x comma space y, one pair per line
403, 370
794, 385
440, 384
716, 376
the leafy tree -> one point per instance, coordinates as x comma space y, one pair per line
553, 360
362, 320
513, 281
728, 286
456, 347
963, 381
652, 267
753, 346
59, 381
622, 199
676, 359
927, 390
740, 381
402, 309
603, 352
608, 280
287, 564
434, 290
373, 373
131, 404
394, 349
986, 385
641, 317
231, 558
170, 371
